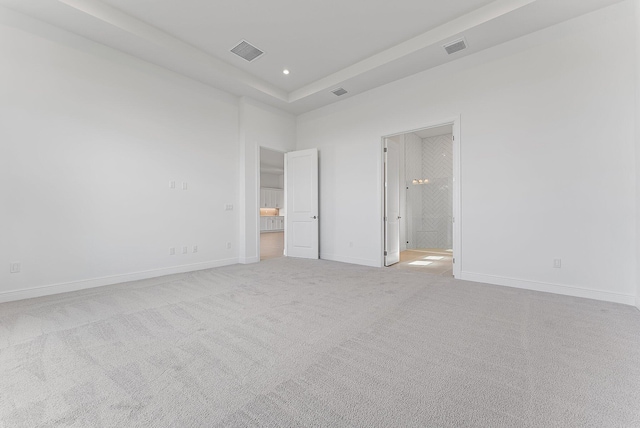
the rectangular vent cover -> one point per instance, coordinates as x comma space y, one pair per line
339, 91
455, 46
247, 51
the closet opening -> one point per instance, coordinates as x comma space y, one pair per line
272, 209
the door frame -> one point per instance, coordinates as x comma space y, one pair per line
258, 183
457, 188
385, 160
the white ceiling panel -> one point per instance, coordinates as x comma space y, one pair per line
310, 38
355, 44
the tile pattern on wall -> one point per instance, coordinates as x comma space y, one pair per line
413, 169
437, 201
429, 206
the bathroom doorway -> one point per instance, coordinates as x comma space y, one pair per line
427, 199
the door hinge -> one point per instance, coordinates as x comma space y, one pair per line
453, 219
385, 150
385, 219
385, 253
454, 259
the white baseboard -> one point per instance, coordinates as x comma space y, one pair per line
638, 302
352, 260
47, 290
248, 260
567, 290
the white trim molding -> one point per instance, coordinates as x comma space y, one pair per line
566, 290
350, 260
65, 287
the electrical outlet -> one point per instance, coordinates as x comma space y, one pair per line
350, 244
228, 245
557, 263
228, 207
195, 248
185, 186
172, 251
185, 250
172, 185
14, 267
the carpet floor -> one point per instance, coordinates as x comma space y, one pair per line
292, 343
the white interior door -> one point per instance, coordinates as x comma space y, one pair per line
391, 202
301, 202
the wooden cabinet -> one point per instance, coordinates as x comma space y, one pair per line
279, 198
271, 198
271, 223
263, 198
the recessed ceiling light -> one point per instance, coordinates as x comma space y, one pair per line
285, 71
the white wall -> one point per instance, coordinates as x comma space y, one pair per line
547, 157
90, 140
275, 181
260, 126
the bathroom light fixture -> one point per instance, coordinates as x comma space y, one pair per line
420, 181
285, 71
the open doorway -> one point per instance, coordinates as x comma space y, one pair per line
272, 208
424, 164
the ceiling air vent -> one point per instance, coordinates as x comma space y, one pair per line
339, 91
455, 46
247, 51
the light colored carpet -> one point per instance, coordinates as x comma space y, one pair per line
288, 343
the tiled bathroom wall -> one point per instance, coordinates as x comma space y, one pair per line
430, 203
413, 170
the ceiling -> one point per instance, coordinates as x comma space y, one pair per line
355, 44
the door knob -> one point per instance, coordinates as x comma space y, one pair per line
313, 217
